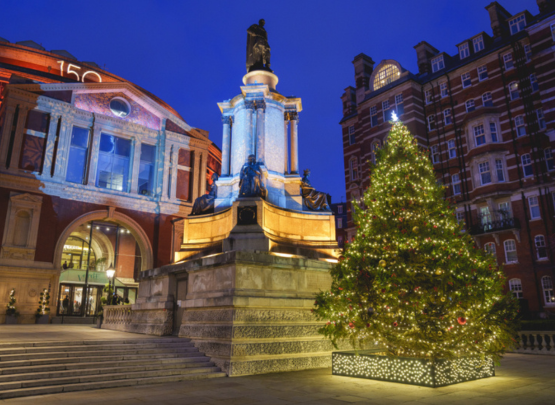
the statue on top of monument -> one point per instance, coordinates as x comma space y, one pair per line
205, 203
312, 199
250, 184
258, 49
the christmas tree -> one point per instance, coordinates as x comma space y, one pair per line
412, 280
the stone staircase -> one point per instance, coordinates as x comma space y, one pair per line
51, 366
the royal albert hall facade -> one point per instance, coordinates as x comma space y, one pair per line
95, 173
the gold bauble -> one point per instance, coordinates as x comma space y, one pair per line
382, 263
440, 333
415, 229
442, 299
438, 272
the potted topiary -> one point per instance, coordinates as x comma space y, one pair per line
43, 309
11, 312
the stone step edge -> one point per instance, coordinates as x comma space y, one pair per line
74, 348
272, 356
92, 341
315, 338
101, 353
25, 392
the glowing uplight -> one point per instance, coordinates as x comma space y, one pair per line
282, 254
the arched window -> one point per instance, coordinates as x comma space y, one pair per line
547, 286
513, 90
541, 250
510, 251
490, 248
387, 74
21, 228
353, 168
515, 285
375, 147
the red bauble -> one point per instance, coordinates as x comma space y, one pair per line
394, 323
351, 325
461, 320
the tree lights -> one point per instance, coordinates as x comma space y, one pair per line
412, 281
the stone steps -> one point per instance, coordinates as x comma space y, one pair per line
36, 368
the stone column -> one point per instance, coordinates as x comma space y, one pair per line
50, 144
202, 174
249, 105
136, 166
286, 143
173, 168
95, 150
6, 133
294, 144
260, 133
62, 152
18, 138
197, 155
167, 172
226, 145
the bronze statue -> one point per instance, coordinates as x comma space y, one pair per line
250, 184
312, 199
258, 49
205, 203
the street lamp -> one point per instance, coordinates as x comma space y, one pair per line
110, 273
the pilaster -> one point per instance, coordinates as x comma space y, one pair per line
226, 144
6, 133
202, 174
196, 175
62, 153
249, 106
50, 145
286, 144
95, 149
294, 143
260, 133
18, 137
136, 166
173, 168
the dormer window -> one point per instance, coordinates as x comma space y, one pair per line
478, 43
464, 51
387, 74
517, 24
437, 63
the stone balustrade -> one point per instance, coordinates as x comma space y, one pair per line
536, 342
117, 314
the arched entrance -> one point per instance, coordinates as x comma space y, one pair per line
89, 246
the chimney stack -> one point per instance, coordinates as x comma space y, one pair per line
424, 53
364, 66
498, 17
545, 5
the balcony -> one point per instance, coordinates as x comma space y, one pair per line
488, 225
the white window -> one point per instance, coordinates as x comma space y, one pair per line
340, 209
428, 96
528, 52
487, 100
465, 79
470, 106
499, 170
431, 122
513, 90
547, 285
456, 180
541, 118
464, 52
510, 251
541, 249
385, 108
490, 249
527, 165
339, 223
447, 117
549, 159
534, 82
493, 131
482, 73
353, 166
534, 207
435, 154
460, 216
485, 174
373, 116
520, 127
515, 285
517, 24
508, 61
505, 209
443, 89
478, 43
452, 149
352, 138
437, 63
399, 105
479, 135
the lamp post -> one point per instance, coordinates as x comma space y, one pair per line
110, 273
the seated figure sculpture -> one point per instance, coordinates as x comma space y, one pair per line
312, 199
250, 184
205, 203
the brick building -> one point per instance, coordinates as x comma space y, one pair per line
95, 172
487, 115
340, 212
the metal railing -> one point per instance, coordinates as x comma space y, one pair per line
484, 226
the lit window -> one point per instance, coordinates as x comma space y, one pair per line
547, 286
513, 90
387, 74
487, 100
447, 117
548, 154
428, 96
510, 251
534, 82
373, 117
528, 52
517, 24
113, 163
464, 51
431, 122
386, 113
515, 285
493, 131
490, 249
146, 169
499, 170
485, 174
541, 118
443, 89
465, 79
452, 149
399, 105
478, 43
455, 179
78, 154
339, 223
482, 72
541, 249
120, 107
352, 138
470, 106
437, 64
435, 154
353, 165
520, 127
508, 61
479, 135
527, 165
534, 207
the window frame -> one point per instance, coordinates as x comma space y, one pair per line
485, 172
514, 93
385, 110
534, 83
528, 158
466, 80
493, 132
431, 119
547, 288
541, 119
516, 23
373, 114
479, 40
548, 157
399, 106
508, 61
443, 90
481, 70
470, 105
534, 207
352, 137
492, 251
464, 51
428, 96
517, 290
353, 168
541, 247
507, 251
487, 102
434, 150
437, 63
520, 126
456, 182
447, 117
477, 135
500, 169
452, 148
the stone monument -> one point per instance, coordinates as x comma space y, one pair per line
244, 281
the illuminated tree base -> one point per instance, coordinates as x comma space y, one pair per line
375, 365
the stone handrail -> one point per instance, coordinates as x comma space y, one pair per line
117, 314
536, 342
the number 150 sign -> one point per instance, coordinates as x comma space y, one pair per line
73, 70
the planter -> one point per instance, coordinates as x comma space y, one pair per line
11, 319
42, 319
377, 365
